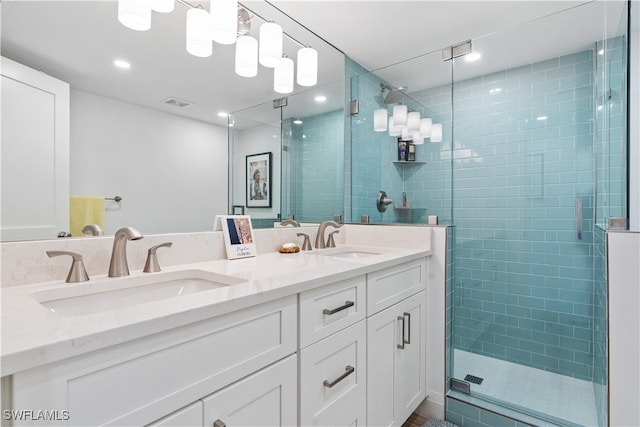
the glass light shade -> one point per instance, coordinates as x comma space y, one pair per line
135, 14
224, 21
198, 33
425, 127
436, 132
394, 130
417, 138
247, 56
405, 134
399, 115
413, 121
162, 6
283, 76
270, 47
308, 67
380, 120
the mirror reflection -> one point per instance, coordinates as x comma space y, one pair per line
155, 134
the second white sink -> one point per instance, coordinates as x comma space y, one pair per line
111, 294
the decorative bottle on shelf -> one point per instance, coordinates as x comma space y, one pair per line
411, 152
402, 150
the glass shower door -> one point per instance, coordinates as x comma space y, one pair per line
523, 210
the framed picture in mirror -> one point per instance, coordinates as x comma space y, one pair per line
259, 180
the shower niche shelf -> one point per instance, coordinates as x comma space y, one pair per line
407, 162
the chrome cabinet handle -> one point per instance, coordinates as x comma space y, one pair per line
346, 305
408, 340
348, 370
219, 423
402, 341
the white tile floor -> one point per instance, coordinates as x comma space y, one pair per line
544, 392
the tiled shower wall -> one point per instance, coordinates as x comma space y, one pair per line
316, 149
522, 156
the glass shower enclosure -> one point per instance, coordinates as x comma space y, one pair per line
529, 169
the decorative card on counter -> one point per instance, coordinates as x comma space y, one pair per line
238, 236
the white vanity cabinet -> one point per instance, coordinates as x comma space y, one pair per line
396, 380
140, 382
333, 356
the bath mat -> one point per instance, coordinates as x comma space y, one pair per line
433, 422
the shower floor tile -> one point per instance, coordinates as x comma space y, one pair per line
544, 392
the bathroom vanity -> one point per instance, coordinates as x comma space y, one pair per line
327, 337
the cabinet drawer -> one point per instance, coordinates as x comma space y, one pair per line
332, 375
191, 416
266, 398
391, 285
142, 381
327, 310
354, 416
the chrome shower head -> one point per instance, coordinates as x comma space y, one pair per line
395, 93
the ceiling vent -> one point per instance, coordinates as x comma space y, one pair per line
177, 102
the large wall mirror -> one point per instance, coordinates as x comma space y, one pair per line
151, 134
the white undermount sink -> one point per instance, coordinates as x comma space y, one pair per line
114, 293
347, 252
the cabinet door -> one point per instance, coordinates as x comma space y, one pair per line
190, 416
396, 373
266, 398
35, 154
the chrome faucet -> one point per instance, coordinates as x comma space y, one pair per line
290, 222
320, 244
118, 266
93, 230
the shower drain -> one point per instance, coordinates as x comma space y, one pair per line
473, 379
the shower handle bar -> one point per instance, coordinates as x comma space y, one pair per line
579, 216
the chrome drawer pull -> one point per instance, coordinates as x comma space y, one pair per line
408, 340
219, 423
402, 341
346, 305
348, 371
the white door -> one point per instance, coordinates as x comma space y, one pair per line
35, 154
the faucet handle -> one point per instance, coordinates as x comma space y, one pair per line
152, 265
77, 272
330, 242
306, 245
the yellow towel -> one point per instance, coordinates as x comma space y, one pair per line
85, 210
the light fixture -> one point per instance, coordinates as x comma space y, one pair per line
198, 33
162, 6
436, 132
120, 63
320, 98
473, 56
307, 66
283, 76
417, 137
270, 48
247, 56
400, 115
224, 21
380, 120
425, 127
227, 24
394, 130
135, 14
413, 121
297, 122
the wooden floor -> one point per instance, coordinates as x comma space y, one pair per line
415, 420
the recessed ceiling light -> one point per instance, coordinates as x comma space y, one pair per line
121, 64
473, 56
320, 98
297, 122
223, 114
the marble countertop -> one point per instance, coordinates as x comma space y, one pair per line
33, 336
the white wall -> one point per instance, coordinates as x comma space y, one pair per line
255, 140
170, 171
